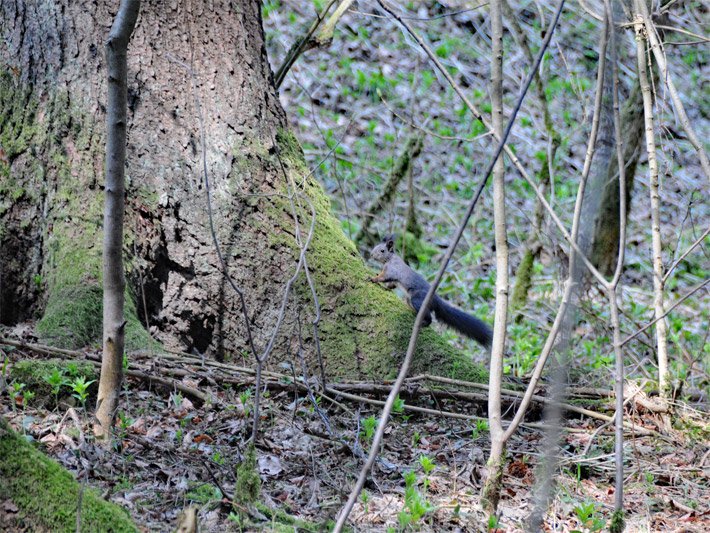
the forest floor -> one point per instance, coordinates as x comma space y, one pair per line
177, 451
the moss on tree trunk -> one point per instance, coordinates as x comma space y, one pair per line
365, 328
50, 194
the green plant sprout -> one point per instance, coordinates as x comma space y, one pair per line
56, 380
368, 428
81, 389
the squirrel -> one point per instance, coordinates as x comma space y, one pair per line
396, 271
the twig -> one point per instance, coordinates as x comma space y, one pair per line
221, 488
701, 39
411, 408
307, 40
478, 398
671, 308
508, 150
411, 124
299, 352
685, 254
185, 389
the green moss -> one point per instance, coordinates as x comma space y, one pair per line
523, 280
203, 493
248, 485
246, 493
72, 268
47, 495
73, 315
414, 250
283, 522
17, 115
365, 329
617, 523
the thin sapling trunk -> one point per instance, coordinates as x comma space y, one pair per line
113, 276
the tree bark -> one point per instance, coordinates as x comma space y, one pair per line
605, 247
114, 278
656, 243
52, 109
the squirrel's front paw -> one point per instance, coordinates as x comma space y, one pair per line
374, 279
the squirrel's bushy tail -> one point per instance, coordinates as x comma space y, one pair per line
462, 322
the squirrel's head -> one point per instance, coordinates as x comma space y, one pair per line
383, 251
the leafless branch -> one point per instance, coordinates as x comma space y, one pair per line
659, 54
685, 254
668, 311
301, 45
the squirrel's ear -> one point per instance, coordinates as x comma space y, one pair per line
390, 243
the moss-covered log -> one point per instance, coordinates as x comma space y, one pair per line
47, 496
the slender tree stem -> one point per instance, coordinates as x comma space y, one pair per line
491, 489
613, 286
660, 56
113, 276
656, 253
574, 250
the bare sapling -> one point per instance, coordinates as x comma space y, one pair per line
656, 244
114, 280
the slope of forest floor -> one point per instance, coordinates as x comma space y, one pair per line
177, 451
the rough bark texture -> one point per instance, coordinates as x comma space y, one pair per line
53, 81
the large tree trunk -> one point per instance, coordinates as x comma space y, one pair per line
52, 96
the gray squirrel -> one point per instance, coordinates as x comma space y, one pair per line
395, 270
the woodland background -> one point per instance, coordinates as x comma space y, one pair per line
396, 151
